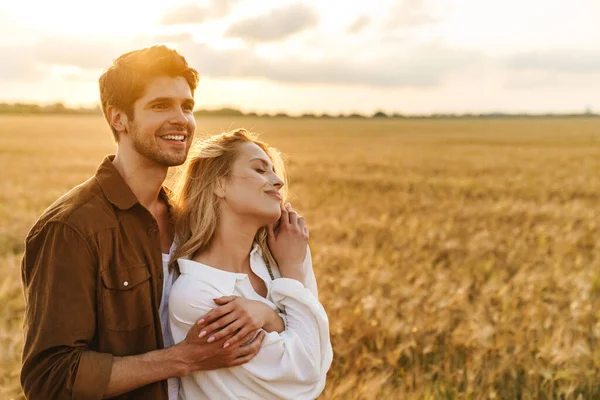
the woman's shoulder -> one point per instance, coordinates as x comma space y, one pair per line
199, 276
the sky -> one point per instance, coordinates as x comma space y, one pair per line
314, 56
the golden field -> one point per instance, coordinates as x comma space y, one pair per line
457, 259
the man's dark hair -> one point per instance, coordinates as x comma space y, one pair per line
125, 80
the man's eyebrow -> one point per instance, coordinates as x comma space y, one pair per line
169, 100
160, 100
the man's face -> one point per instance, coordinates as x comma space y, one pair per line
163, 121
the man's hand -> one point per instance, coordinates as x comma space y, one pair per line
199, 355
288, 243
236, 318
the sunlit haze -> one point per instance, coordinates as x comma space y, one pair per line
410, 56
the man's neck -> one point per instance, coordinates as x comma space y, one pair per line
143, 177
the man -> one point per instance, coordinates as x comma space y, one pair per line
96, 285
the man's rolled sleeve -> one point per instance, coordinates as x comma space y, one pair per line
60, 274
92, 375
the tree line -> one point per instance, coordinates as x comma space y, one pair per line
60, 108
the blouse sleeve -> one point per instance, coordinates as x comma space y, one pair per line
294, 364
309, 274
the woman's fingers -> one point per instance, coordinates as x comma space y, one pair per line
293, 215
301, 223
218, 324
218, 312
284, 220
240, 335
221, 301
228, 330
271, 231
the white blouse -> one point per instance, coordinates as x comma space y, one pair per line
292, 364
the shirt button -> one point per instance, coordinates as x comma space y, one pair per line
125, 283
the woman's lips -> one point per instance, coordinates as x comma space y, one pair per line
274, 194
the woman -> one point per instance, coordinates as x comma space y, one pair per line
227, 201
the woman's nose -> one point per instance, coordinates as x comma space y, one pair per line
278, 183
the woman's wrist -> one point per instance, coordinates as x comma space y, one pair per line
274, 323
293, 272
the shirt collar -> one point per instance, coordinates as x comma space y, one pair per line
255, 249
116, 189
258, 265
223, 281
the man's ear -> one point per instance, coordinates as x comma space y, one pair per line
220, 188
118, 119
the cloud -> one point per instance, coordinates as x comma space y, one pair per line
385, 65
417, 67
528, 80
86, 54
563, 61
94, 53
174, 38
194, 14
276, 25
19, 64
409, 14
359, 24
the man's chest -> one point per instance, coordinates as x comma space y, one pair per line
130, 287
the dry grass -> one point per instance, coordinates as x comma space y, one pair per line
456, 259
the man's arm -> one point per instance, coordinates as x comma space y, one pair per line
59, 278
192, 354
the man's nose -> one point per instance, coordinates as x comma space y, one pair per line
178, 117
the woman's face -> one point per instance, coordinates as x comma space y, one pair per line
252, 190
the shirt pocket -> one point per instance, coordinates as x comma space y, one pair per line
127, 298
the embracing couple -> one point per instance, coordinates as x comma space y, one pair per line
134, 291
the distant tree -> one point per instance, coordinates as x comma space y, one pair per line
356, 116
58, 108
281, 115
229, 112
380, 114
223, 112
308, 115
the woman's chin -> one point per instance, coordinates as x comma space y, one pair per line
271, 217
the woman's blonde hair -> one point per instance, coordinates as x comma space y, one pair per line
195, 204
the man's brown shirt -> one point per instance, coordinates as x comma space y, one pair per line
92, 276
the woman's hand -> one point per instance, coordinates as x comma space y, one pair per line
239, 317
288, 243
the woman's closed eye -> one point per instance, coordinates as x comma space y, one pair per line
260, 171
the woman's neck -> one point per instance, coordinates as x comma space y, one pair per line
231, 245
